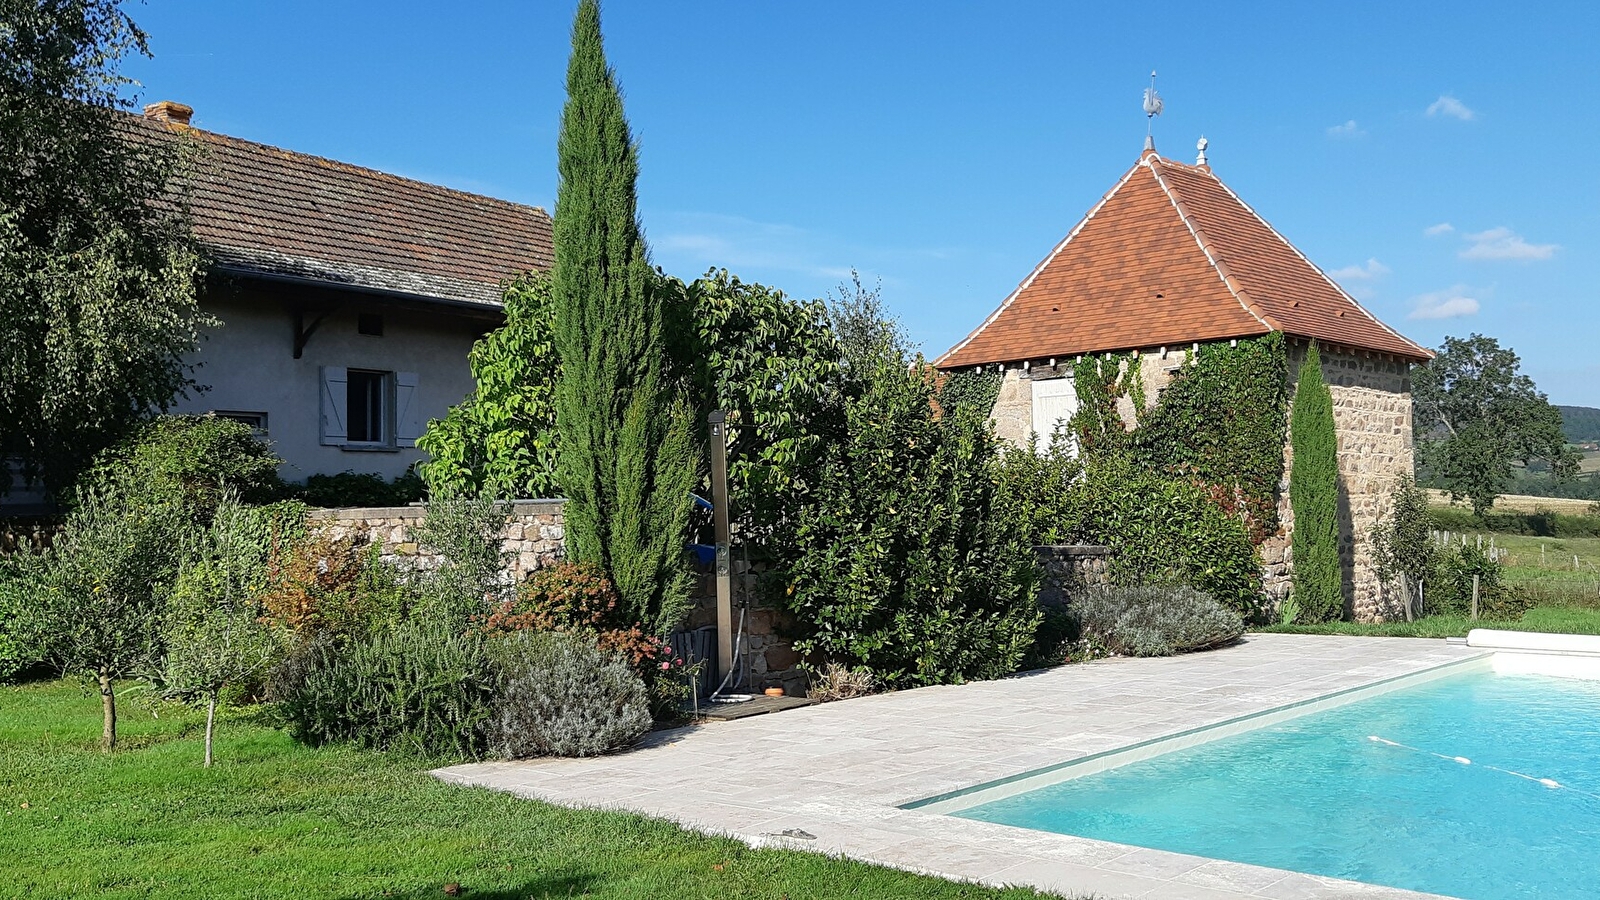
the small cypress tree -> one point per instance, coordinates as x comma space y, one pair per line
627, 462
1314, 496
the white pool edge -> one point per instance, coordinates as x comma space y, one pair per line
1000, 789
1536, 653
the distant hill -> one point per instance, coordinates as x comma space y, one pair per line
1580, 423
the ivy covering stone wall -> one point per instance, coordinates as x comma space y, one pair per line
1372, 418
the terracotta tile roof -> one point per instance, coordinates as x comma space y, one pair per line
265, 210
1171, 256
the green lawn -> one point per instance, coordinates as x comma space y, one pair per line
277, 820
1552, 577
1563, 619
1566, 595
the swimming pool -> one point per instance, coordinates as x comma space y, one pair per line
1479, 785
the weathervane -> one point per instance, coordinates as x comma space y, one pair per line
1152, 108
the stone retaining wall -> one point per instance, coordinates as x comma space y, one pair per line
1070, 568
533, 536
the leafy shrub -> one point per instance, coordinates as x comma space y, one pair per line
1155, 620
348, 489
320, 586
1402, 541
1059, 630
422, 686
902, 566
471, 577
577, 598
24, 620
105, 584
190, 461
502, 439
216, 637
1450, 591
1161, 529
558, 695
1039, 491
562, 597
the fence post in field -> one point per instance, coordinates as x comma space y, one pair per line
1474, 596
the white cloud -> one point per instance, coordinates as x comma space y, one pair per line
1348, 130
1447, 105
1503, 243
1436, 230
1369, 271
1447, 304
737, 242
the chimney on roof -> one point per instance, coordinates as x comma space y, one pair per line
169, 112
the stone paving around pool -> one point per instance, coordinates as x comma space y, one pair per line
842, 771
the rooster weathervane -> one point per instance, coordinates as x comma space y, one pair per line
1152, 108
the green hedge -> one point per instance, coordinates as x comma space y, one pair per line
1537, 524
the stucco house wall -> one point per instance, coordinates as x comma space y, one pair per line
247, 365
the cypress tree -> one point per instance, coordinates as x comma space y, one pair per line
627, 462
1314, 496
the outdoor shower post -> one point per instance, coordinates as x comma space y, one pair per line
719, 516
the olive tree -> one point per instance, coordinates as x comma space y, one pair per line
104, 586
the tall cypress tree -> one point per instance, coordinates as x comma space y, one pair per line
1314, 496
627, 462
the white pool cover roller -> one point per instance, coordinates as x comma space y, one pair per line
1534, 642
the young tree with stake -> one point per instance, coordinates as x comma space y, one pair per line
215, 632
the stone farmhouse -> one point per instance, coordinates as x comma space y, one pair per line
348, 298
1171, 259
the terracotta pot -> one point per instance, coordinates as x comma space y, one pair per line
774, 692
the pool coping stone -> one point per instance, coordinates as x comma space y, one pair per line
846, 772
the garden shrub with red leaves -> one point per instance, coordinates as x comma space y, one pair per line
578, 598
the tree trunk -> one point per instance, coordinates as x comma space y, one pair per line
108, 705
211, 721
1405, 594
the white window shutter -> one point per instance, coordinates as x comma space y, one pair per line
335, 405
407, 409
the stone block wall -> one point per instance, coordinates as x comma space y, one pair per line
1070, 568
772, 659
533, 537
1372, 420
1372, 423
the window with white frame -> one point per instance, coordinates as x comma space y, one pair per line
256, 420
369, 409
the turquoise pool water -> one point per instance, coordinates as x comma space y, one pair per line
1318, 795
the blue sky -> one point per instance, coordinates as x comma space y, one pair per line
1432, 156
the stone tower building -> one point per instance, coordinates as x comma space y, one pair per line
1171, 259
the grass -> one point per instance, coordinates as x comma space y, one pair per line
1566, 596
273, 819
1563, 620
